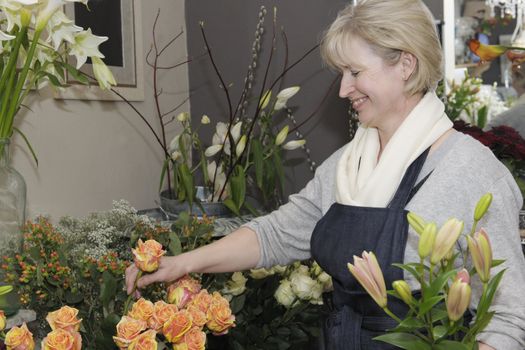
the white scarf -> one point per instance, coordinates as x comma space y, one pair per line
362, 181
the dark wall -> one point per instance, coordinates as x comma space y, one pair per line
230, 26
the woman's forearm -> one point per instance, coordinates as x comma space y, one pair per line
235, 252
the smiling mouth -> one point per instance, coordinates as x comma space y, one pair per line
357, 103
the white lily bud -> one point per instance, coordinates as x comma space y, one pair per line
205, 119
284, 95
281, 136
102, 73
265, 99
183, 116
240, 146
212, 150
291, 145
174, 144
236, 131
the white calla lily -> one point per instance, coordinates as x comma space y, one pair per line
61, 29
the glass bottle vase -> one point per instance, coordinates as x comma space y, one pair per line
12, 201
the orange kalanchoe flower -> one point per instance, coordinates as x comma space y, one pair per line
486, 52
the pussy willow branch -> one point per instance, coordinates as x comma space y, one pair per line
257, 109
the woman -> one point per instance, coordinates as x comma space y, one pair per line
390, 58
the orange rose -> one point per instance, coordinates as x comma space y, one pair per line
162, 312
175, 328
199, 318
64, 318
202, 300
127, 330
147, 255
3, 320
145, 341
19, 338
191, 284
60, 339
142, 310
179, 296
220, 317
195, 339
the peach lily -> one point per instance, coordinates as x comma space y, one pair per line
368, 273
480, 249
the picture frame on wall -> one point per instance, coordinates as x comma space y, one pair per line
121, 22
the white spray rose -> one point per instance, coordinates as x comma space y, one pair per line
284, 294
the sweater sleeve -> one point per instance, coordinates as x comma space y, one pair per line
506, 330
284, 235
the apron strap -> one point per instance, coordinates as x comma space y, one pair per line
403, 193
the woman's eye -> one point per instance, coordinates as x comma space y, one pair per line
354, 73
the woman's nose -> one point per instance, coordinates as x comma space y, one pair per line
347, 85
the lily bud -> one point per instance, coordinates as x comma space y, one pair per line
102, 73
458, 296
403, 290
445, 239
183, 116
240, 146
294, 144
265, 99
236, 131
281, 136
367, 272
417, 222
284, 95
481, 252
426, 240
482, 206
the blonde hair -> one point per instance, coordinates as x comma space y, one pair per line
390, 28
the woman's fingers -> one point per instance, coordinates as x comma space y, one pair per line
131, 275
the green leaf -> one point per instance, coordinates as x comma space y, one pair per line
429, 303
187, 182
258, 161
450, 345
26, 140
76, 74
438, 284
175, 246
237, 303
278, 166
73, 298
238, 186
482, 116
163, 172
438, 314
252, 209
412, 323
52, 79
486, 298
230, 204
108, 288
439, 332
410, 269
404, 341
497, 262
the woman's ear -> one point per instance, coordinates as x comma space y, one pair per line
408, 64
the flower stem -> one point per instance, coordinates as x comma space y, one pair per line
128, 301
391, 314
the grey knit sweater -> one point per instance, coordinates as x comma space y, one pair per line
463, 170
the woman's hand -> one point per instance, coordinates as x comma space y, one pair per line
170, 269
483, 346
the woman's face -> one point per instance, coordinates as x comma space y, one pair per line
375, 88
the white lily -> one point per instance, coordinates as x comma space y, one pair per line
61, 28
236, 131
86, 44
48, 9
102, 73
265, 99
220, 179
291, 145
221, 130
284, 95
241, 146
183, 117
174, 144
212, 150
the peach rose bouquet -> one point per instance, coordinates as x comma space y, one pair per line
183, 319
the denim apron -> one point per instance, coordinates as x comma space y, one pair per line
345, 231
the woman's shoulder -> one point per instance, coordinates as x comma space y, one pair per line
470, 160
